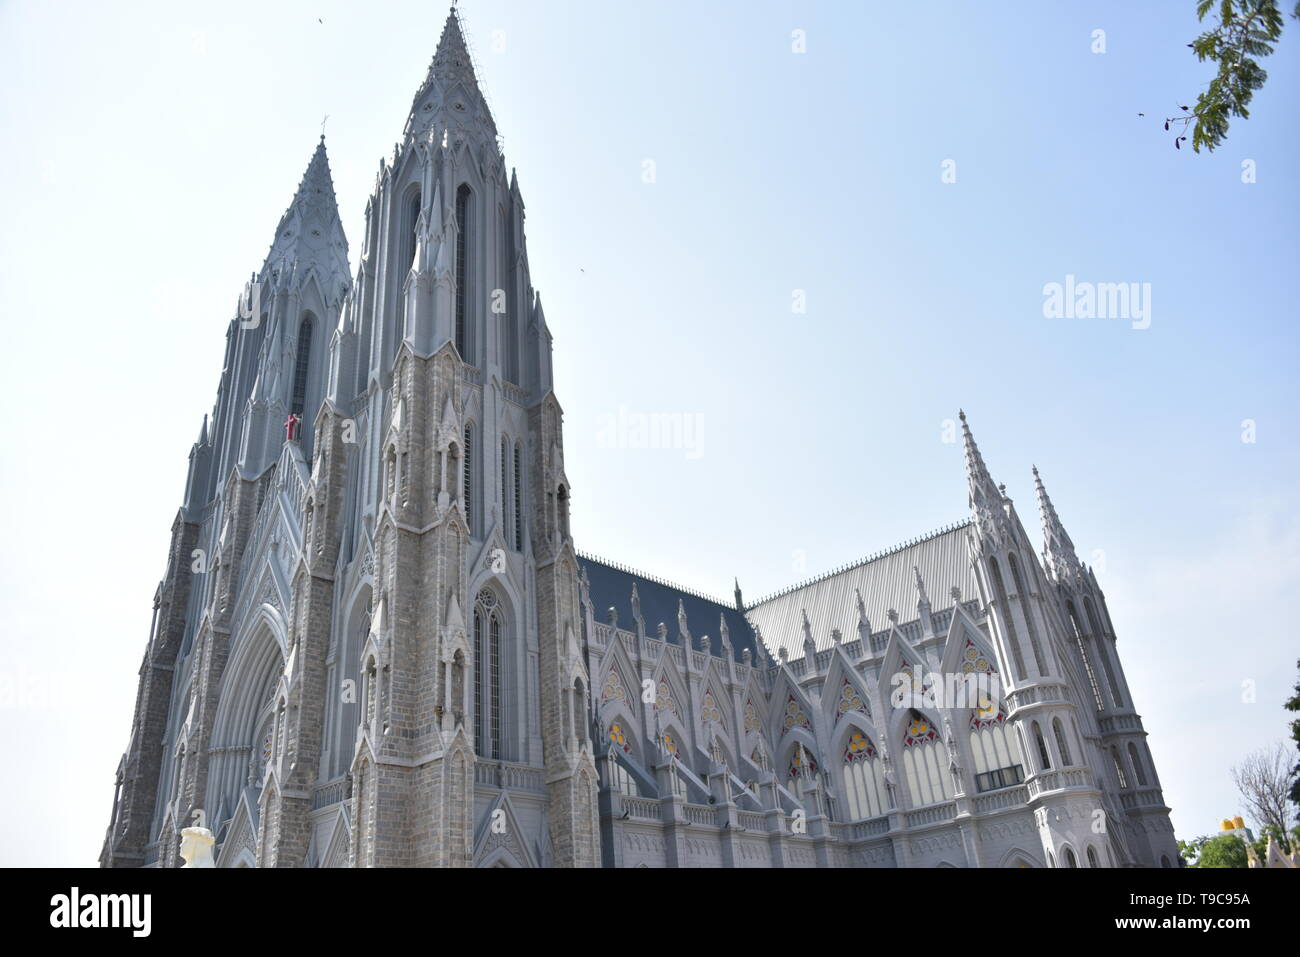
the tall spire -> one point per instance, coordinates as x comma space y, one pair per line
986, 498
1058, 551
450, 96
310, 232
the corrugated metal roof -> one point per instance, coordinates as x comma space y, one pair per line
611, 587
886, 581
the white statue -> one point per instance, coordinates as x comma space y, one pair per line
196, 847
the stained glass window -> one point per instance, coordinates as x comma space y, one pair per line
751, 716
859, 748
798, 768
710, 710
850, 700
925, 761
864, 778
794, 716
975, 662
613, 689
618, 738
670, 744
919, 730
664, 699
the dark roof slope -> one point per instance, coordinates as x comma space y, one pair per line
611, 587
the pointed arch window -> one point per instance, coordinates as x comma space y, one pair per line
562, 502
864, 778
1119, 767
458, 687
519, 499
302, 366
505, 491
410, 235
1092, 857
580, 716
803, 769
995, 750
620, 778
370, 689
1000, 591
467, 476
510, 322
1138, 772
1104, 652
1062, 748
1044, 758
1029, 615
1070, 859
488, 636
925, 761
1083, 653
462, 269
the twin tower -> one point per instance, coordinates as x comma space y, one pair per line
371, 589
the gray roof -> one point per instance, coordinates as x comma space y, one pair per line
885, 580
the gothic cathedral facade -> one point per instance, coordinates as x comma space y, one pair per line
375, 644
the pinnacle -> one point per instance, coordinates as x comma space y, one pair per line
976, 471
452, 50
450, 94
310, 231
317, 180
1059, 548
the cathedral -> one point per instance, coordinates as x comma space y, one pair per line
377, 644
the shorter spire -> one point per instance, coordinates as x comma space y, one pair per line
985, 498
310, 233
1058, 551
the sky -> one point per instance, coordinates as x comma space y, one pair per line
813, 258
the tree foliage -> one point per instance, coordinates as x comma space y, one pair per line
1293, 704
1264, 782
1222, 850
1246, 30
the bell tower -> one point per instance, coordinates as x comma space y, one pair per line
475, 590
1066, 800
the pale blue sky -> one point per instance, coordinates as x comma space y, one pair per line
151, 147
